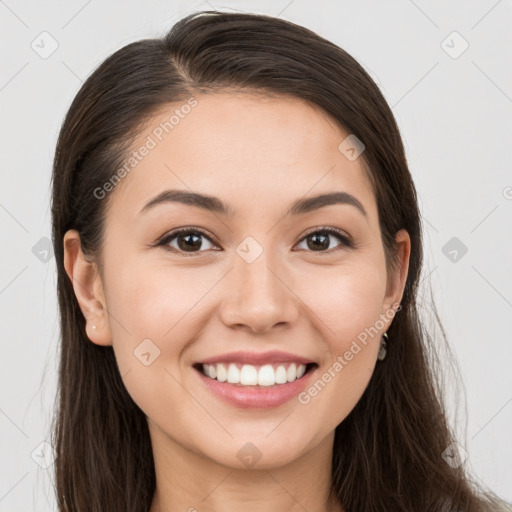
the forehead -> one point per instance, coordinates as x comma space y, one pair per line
253, 151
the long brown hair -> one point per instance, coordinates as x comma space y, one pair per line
388, 452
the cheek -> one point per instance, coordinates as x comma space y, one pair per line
156, 304
348, 305
151, 316
149, 299
347, 301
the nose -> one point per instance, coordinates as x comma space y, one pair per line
259, 296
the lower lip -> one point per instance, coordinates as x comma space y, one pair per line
260, 397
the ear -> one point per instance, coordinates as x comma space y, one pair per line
396, 282
86, 281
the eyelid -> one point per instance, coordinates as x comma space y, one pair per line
330, 230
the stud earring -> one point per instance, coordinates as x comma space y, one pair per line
94, 327
383, 349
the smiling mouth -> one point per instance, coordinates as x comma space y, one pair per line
247, 375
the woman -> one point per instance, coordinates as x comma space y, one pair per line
238, 245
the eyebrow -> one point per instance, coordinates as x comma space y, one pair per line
215, 205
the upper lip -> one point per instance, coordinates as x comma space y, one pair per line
253, 358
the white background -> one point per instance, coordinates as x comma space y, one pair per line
455, 115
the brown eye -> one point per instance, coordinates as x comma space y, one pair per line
319, 240
187, 240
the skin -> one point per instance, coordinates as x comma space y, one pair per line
257, 154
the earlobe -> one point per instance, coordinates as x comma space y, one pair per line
88, 288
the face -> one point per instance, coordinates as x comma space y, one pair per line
254, 284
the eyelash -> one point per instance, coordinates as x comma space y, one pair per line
345, 240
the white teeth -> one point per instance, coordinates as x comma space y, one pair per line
301, 370
233, 374
291, 373
266, 376
281, 375
222, 374
250, 375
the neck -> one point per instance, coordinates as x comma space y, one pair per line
188, 481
